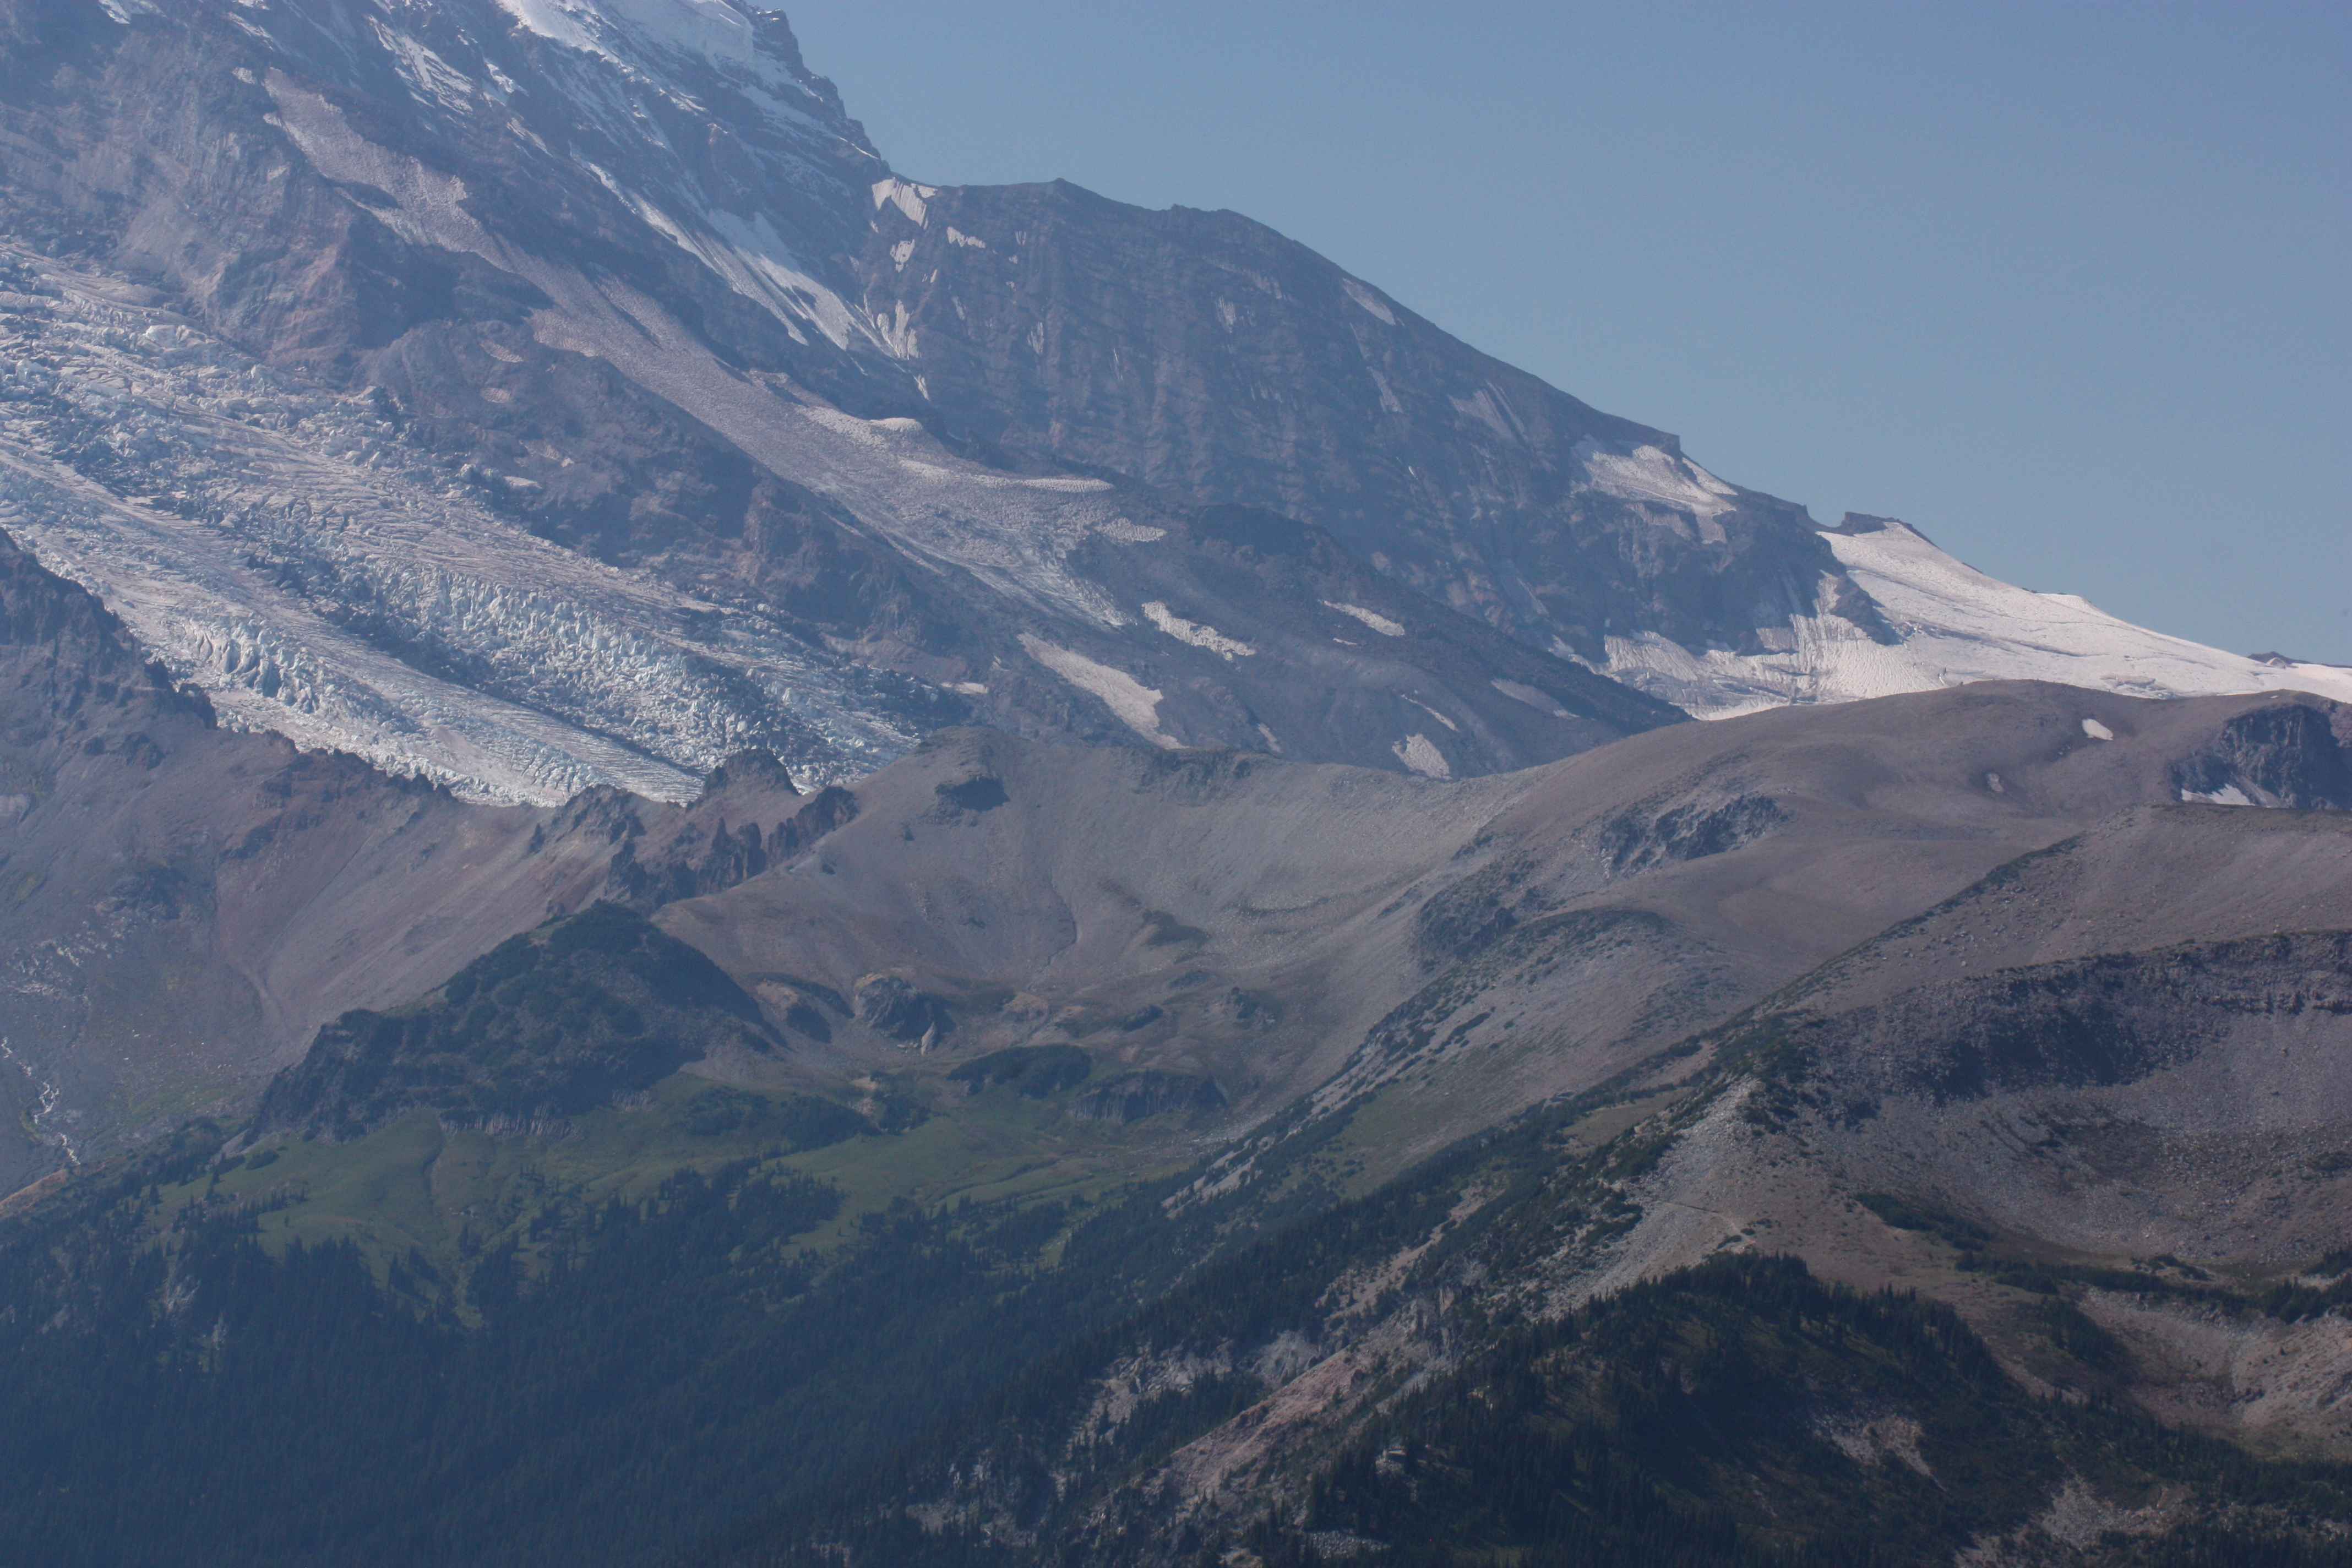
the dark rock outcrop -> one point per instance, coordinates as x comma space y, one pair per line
2287, 755
1208, 356
898, 1009
1140, 1096
544, 1028
1035, 1072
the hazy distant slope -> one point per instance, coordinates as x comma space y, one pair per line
1461, 949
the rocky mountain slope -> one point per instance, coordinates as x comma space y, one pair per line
2089, 1103
573, 945
1461, 949
410, 313
187, 904
528, 396
1245, 1097
1273, 928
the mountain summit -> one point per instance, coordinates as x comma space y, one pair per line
708, 855
534, 393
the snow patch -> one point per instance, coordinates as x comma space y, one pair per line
1434, 714
1654, 476
1485, 409
909, 199
431, 79
1126, 532
1198, 636
1421, 754
1373, 618
770, 274
557, 20
645, 39
957, 237
2227, 795
1368, 300
1135, 704
2096, 731
1519, 692
896, 332
1955, 625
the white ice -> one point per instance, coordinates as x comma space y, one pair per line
1368, 300
1373, 618
1135, 704
1421, 754
1954, 624
1197, 635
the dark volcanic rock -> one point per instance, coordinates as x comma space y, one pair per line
1036, 1072
546, 1026
1140, 1096
2288, 754
891, 1007
1637, 841
666, 854
1210, 357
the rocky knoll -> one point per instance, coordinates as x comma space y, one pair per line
187, 904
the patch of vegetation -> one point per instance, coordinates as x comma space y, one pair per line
549, 1024
772, 1356
798, 1121
634, 1374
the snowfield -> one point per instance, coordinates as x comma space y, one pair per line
1956, 624
282, 549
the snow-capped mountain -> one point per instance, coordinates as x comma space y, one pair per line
529, 393
1953, 625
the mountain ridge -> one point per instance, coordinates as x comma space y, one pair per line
629, 285
1130, 1125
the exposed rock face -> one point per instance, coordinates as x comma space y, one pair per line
889, 1005
1035, 1072
185, 905
663, 854
532, 396
2288, 754
1689, 830
420, 291
1208, 356
1140, 1096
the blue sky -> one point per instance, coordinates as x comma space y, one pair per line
2064, 285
